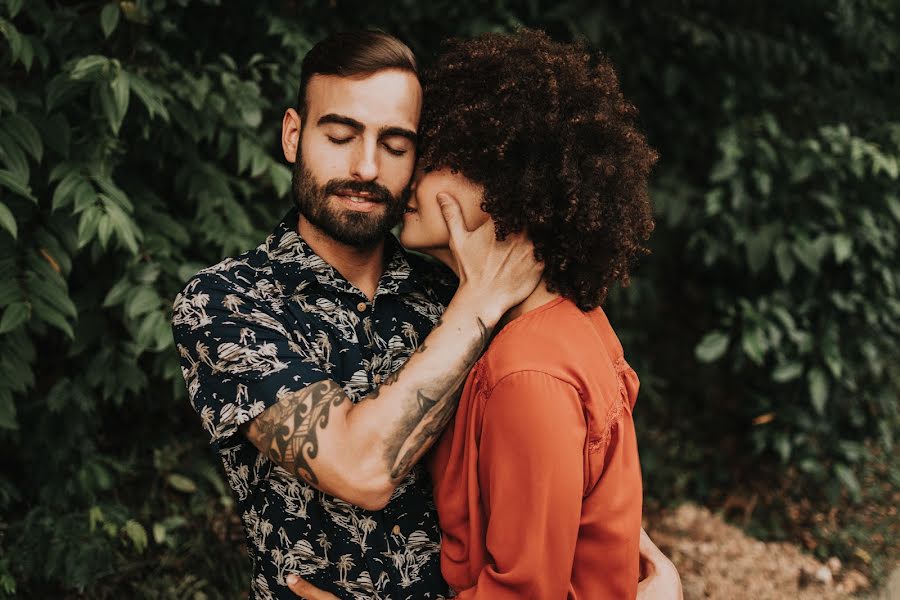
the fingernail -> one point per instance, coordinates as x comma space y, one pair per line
443, 198
292, 579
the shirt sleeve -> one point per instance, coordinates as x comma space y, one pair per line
237, 356
531, 473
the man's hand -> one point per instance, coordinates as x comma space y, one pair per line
659, 577
305, 589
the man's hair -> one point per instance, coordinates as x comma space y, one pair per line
543, 126
354, 53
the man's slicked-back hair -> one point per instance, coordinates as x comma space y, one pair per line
352, 53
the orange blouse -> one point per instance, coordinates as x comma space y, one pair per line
537, 480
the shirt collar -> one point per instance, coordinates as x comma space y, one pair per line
294, 262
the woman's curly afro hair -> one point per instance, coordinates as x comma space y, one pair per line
545, 129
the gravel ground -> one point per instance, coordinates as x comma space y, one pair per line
719, 561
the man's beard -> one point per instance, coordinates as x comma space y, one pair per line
357, 229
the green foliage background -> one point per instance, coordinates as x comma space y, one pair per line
138, 143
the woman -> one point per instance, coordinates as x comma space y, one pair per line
537, 481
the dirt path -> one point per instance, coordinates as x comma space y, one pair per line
719, 561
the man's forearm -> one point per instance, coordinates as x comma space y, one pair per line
408, 412
361, 452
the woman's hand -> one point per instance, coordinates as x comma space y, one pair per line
500, 274
659, 577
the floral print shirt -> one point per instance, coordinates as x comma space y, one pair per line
278, 319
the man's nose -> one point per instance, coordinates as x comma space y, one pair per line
365, 163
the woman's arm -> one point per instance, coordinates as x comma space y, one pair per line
531, 475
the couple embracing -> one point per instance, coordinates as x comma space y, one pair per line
403, 427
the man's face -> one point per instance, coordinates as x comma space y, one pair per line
356, 154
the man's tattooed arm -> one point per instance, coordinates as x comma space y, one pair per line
425, 419
286, 432
361, 452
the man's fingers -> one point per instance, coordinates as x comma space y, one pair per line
304, 589
452, 215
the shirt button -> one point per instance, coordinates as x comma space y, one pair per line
362, 306
377, 379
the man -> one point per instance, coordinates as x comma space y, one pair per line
323, 364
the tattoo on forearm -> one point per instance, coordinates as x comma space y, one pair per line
432, 410
289, 428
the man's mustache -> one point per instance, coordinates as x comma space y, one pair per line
376, 192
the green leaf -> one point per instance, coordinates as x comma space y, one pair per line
117, 293
712, 346
85, 197
182, 483
159, 533
104, 230
784, 261
51, 316
26, 53
8, 221
15, 315
783, 446
109, 18
7, 100
724, 169
25, 134
13, 37
126, 231
7, 410
754, 345
12, 156
65, 190
763, 182
137, 534
787, 372
114, 192
846, 476
259, 162
114, 100
87, 225
759, 246
52, 291
843, 247
280, 176
61, 89
90, 68
811, 252
9, 180
143, 301
150, 95
13, 7
818, 389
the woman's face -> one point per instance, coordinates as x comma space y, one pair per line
424, 228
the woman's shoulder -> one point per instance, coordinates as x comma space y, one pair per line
560, 341
546, 339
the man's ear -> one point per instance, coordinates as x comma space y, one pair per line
290, 134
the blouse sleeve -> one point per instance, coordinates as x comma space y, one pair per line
531, 477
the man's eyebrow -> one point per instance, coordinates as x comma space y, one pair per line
398, 131
341, 120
